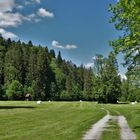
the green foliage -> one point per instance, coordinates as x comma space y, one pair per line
108, 83
88, 85
98, 64
134, 94
15, 91
13, 67
46, 77
126, 16
52, 53
65, 96
59, 58
125, 91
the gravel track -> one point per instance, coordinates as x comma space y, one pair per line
126, 132
96, 131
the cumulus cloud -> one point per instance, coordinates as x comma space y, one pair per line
56, 44
44, 13
10, 19
15, 19
6, 5
89, 65
7, 35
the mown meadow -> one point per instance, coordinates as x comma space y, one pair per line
24, 120
47, 121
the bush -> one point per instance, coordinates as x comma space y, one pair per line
15, 91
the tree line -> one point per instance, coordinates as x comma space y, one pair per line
35, 70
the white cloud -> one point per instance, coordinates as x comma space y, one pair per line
56, 44
37, 20
19, 7
30, 17
89, 65
14, 19
44, 13
37, 1
10, 19
7, 35
6, 5
70, 47
29, 2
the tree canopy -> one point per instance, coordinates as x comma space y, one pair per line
126, 17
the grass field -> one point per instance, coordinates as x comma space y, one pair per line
48, 121
131, 112
58, 120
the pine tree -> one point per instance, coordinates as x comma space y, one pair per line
13, 64
88, 85
59, 58
52, 53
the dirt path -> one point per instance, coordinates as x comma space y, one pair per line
126, 132
95, 132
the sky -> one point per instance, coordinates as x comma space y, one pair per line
80, 29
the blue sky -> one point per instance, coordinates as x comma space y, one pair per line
80, 29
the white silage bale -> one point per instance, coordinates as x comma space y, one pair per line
39, 102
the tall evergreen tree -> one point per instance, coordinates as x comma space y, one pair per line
59, 58
13, 64
52, 53
88, 85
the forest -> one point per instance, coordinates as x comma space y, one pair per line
35, 70
39, 72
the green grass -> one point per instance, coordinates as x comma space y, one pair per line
112, 131
60, 120
131, 112
48, 121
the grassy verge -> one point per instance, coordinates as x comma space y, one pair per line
48, 121
112, 131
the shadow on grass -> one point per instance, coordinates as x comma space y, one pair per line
123, 103
137, 127
15, 107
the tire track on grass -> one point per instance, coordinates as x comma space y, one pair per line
96, 131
